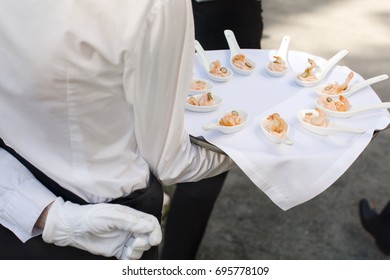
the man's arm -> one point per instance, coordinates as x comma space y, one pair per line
23, 199
157, 78
40, 224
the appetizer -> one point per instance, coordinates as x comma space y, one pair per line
198, 85
217, 70
241, 62
308, 75
206, 99
277, 65
231, 119
276, 125
336, 88
338, 105
318, 119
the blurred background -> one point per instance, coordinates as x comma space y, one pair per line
245, 223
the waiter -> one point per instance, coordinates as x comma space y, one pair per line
92, 103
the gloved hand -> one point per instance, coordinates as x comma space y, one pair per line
102, 229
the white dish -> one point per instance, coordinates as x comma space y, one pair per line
321, 72
287, 140
235, 50
203, 109
352, 110
206, 65
282, 53
228, 129
330, 129
353, 88
208, 88
220, 79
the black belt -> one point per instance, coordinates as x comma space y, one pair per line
53, 186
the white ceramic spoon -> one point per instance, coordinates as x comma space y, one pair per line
331, 128
321, 72
282, 53
352, 111
208, 87
228, 129
235, 50
287, 140
206, 64
196, 108
353, 88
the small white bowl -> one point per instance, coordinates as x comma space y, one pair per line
235, 50
273, 137
353, 87
228, 129
209, 86
282, 53
329, 129
243, 71
303, 83
353, 110
322, 71
276, 73
203, 109
313, 128
221, 79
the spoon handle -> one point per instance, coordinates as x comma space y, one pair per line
369, 82
282, 52
199, 49
347, 129
332, 62
288, 141
232, 42
210, 126
371, 107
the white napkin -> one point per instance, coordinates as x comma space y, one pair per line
288, 174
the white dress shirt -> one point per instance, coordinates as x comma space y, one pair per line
92, 93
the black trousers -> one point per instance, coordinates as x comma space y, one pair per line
385, 213
147, 200
190, 210
243, 17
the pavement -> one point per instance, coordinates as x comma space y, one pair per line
245, 223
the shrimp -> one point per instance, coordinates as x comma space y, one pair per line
206, 99
276, 125
328, 103
193, 101
217, 70
231, 119
344, 85
240, 61
307, 74
278, 60
277, 65
340, 105
198, 85
336, 88
318, 119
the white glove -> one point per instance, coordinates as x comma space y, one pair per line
102, 229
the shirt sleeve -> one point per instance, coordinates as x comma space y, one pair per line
22, 197
156, 79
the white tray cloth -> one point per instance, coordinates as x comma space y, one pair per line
288, 174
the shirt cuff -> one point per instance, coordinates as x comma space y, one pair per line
25, 206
